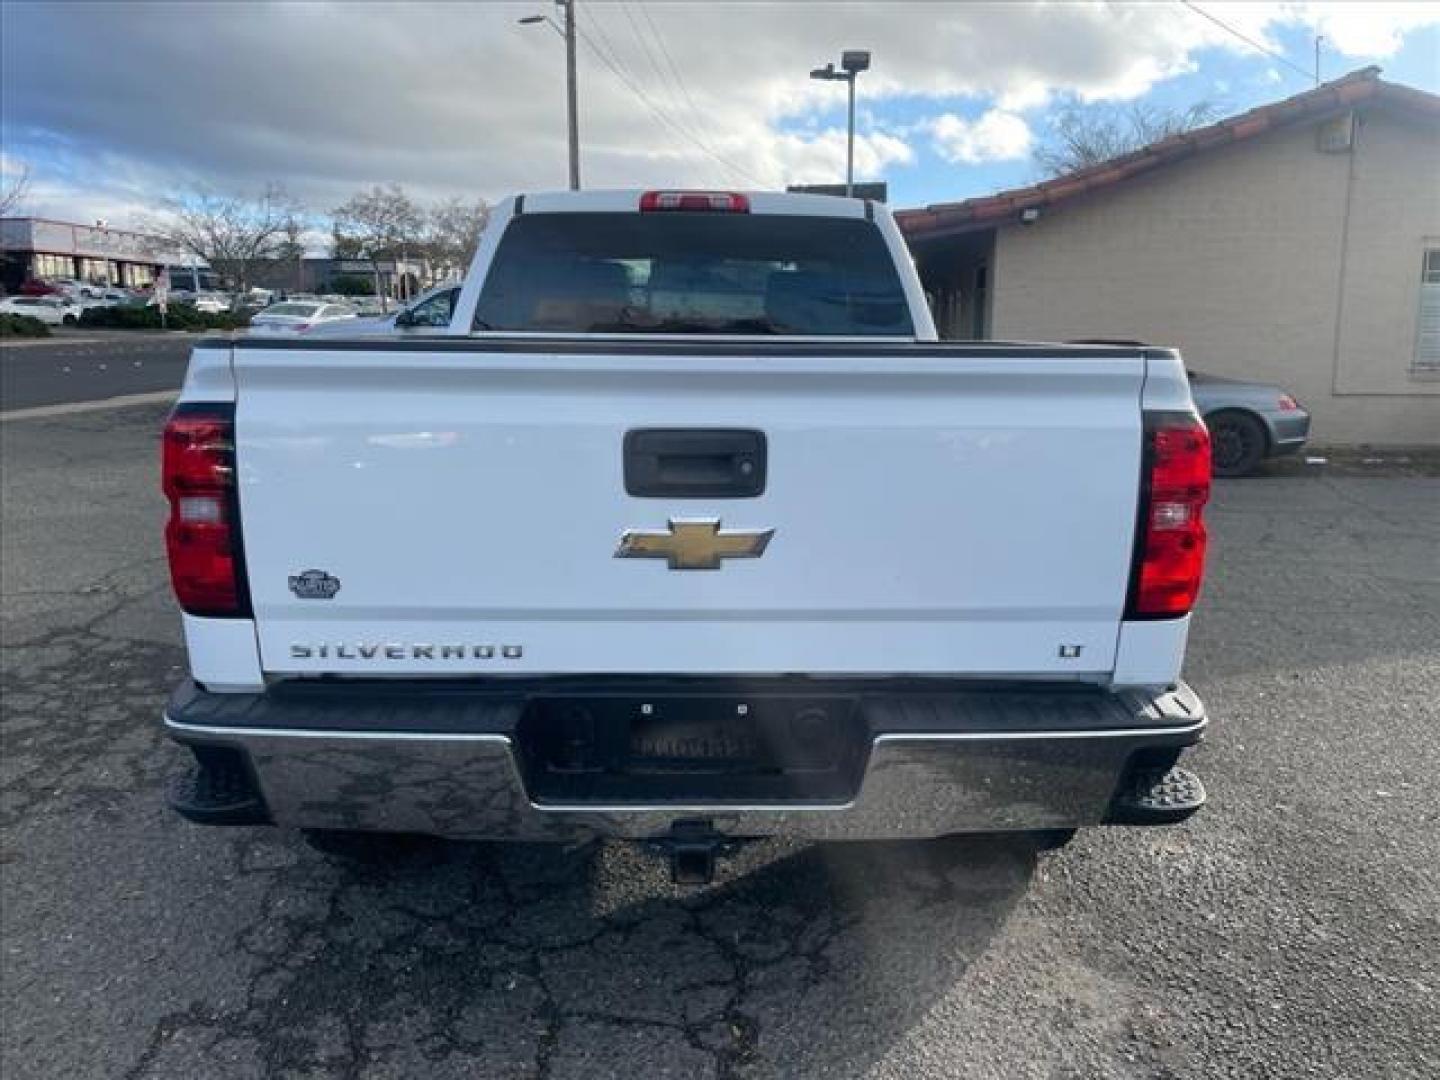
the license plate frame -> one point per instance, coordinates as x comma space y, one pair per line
625, 747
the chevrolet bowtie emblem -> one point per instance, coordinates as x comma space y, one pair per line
693, 544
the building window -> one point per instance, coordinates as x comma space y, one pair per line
48, 267
1427, 335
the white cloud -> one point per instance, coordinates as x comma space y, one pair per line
994, 136
115, 104
820, 158
1375, 29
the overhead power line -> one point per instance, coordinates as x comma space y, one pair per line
649, 54
689, 129
613, 57
671, 86
670, 61
1247, 40
659, 114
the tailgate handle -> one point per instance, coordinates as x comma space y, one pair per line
694, 463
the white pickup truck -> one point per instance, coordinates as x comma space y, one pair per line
688, 530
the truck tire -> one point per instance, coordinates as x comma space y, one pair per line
1238, 443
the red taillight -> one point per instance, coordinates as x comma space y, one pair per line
715, 202
1170, 558
1287, 403
202, 536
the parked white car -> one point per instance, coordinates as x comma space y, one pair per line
55, 310
106, 298
297, 316
429, 314
211, 303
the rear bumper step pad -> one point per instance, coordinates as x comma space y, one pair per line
1156, 797
218, 789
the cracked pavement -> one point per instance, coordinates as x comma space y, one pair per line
1289, 930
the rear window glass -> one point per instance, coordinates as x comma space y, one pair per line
678, 273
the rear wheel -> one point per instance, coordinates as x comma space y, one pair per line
1237, 443
69, 320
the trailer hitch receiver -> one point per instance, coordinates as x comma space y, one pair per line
692, 846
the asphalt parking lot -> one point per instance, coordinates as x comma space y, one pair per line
90, 365
1289, 930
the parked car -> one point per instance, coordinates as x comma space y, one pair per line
429, 314
1248, 421
107, 298
54, 309
750, 554
298, 316
369, 307
211, 303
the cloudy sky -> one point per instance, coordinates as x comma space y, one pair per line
114, 107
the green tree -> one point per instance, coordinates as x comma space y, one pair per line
351, 285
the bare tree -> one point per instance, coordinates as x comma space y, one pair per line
382, 223
232, 233
1084, 138
13, 193
291, 248
452, 232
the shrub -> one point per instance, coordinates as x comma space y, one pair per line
22, 326
352, 285
179, 317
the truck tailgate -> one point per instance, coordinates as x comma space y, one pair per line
935, 509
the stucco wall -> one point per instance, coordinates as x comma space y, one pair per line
1236, 257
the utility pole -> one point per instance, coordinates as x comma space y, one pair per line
571, 94
572, 104
1318, 40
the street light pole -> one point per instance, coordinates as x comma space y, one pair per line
850, 143
572, 101
852, 62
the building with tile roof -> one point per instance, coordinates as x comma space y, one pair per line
1298, 243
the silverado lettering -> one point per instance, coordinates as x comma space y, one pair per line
367, 651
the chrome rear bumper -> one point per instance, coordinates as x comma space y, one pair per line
1009, 774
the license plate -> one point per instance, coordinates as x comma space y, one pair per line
728, 740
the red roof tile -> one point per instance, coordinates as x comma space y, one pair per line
989, 210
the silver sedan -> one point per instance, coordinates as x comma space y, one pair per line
1248, 421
